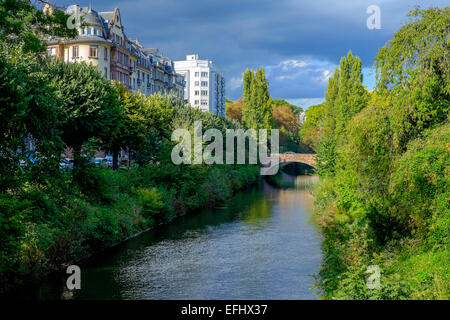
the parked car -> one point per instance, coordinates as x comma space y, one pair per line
32, 159
109, 161
100, 162
66, 164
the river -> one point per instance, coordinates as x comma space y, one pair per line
262, 244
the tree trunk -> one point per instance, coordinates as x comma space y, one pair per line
77, 160
115, 162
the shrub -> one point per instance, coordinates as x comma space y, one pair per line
13, 214
152, 204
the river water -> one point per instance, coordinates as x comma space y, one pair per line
262, 244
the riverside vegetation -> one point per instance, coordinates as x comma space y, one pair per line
50, 217
383, 157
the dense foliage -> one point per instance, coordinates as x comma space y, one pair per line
384, 160
257, 106
21, 22
286, 118
50, 216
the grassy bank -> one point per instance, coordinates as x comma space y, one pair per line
405, 233
44, 228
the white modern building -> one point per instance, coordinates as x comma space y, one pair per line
205, 84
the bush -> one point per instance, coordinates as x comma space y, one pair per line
152, 205
102, 228
13, 214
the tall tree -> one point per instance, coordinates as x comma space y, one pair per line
28, 109
345, 97
257, 107
351, 97
414, 69
22, 23
89, 108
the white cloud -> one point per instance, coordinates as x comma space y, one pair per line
234, 83
326, 74
286, 64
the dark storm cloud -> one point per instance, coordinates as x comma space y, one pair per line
240, 34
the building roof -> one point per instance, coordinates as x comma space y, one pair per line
108, 15
88, 16
79, 38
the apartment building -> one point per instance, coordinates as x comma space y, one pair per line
205, 84
102, 42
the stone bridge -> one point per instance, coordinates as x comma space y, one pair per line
286, 158
308, 158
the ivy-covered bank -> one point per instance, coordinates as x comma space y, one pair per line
383, 201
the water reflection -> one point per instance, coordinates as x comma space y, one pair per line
260, 245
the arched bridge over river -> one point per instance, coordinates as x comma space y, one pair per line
287, 158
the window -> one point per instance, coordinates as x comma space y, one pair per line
95, 31
196, 92
82, 31
196, 102
89, 31
197, 83
196, 74
112, 75
75, 52
105, 53
204, 92
204, 74
204, 83
106, 73
51, 51
93, 51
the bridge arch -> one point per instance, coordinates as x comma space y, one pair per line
288, 158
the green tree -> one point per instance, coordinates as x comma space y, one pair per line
88, 105
22, 23
345, 97
312, 127
257, 107
28, 109
414, 69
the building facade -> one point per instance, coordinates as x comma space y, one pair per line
205, 84
102, 42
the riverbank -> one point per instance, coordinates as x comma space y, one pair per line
64, 221
261, 243
407, 239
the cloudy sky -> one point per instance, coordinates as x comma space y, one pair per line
298, 42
